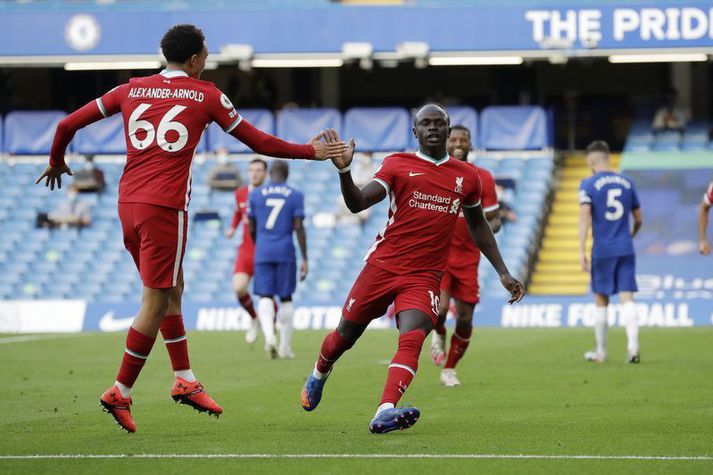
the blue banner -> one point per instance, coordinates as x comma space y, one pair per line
325, 29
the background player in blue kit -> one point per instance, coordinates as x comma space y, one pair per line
275, 211
607, 199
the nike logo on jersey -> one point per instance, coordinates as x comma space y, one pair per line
415, 174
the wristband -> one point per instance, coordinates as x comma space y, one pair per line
345, 169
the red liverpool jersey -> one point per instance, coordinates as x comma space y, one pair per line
241, 215
426, 197
164, 118
463, 251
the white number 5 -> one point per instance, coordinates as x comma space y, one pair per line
167, 123
613, 202
276, 204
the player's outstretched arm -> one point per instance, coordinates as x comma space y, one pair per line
266, 144
703, 246
493, 218
87, 114
483, 237
585, 221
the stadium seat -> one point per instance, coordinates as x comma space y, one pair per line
30, 132
378, 129
260, 118
514, 128
667, 141
103, 137
300, 125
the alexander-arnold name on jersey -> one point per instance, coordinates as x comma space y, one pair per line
434, 202
165, 93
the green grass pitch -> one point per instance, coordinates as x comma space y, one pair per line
524, 391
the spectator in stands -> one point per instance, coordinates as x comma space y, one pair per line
73, 212
362, 173
90, 178
670, 116
507, 214
224, 176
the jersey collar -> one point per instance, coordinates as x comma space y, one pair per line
441, 161
173, 73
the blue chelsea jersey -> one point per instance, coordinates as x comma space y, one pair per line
612, 197
274, 207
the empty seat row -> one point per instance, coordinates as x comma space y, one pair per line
374, 129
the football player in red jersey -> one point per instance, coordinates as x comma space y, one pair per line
164, 117
244, 265
427, 191
460, 278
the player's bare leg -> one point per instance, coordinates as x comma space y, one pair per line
140, 339
631, 322
413, 325
241, 281
438, 339
186, 389
601, 324
333, 347
459, 342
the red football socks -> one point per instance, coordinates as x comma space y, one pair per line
138, 347
247, 302
459, 343
174, 335
403, 367
332, 348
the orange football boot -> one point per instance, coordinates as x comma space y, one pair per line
120, 407
193, 395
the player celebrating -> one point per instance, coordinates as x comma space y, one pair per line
607, 198
706, 203
243, 271
275, 211
460, 278
427, 190
164, 117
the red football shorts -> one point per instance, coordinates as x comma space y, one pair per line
462, 283
156, 238
376, 288
244, 263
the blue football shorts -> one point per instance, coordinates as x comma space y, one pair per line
275, 279
611, 275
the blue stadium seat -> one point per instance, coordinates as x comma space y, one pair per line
667, 141
379, 129
300, 125
30, 132
260, 118
514, 128
103, 137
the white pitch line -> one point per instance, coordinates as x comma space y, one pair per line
23, 338
359, 456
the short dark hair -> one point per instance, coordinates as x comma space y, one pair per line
260, 161
433, 104
461, 127
598, 146
181, 42
279, 168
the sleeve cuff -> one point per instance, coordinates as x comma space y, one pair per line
345, 169
707, 199
382, 183
472, 205
491, 208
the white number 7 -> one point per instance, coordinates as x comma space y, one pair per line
276, 204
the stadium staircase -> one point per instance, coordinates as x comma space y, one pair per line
557, 270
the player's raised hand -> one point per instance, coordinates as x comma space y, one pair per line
229, 233
514, 286
704, 248
53, 175
325, 145
304, 270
